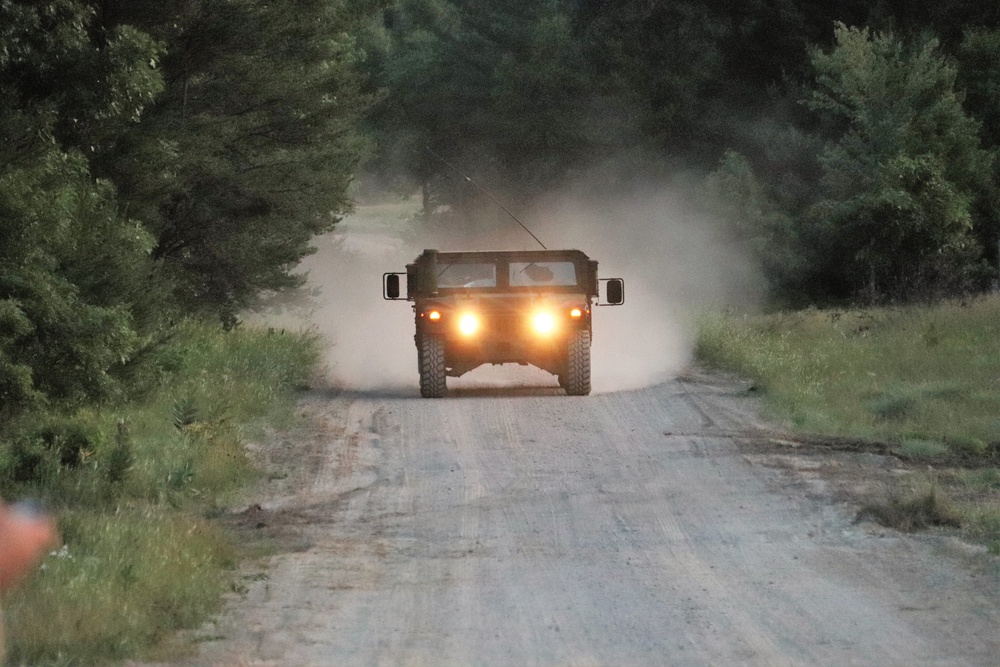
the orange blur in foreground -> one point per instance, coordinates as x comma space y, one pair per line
23, 541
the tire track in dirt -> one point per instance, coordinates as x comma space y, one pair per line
519, 528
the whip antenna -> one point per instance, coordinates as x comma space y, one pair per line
492, 198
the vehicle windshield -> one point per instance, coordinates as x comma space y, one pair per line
479, 274
527, 274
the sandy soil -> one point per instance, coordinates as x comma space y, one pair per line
522, 527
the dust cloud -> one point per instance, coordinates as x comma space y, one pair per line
675, 265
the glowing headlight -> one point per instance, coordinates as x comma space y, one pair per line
576, 312
468, 324
434, 315
544, 323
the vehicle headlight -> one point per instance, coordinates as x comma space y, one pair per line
468, 324
544, 323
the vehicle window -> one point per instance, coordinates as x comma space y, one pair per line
482, 274
526, 274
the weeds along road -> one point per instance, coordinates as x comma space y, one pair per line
523, 527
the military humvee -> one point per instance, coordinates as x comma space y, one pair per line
525, 307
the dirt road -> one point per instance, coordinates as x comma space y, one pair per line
522, 527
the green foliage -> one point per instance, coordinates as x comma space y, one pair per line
159, 161
666, 62
876, 374
71, 274
185, 412
497, 89
921, 450
156, 162
249, 151
223, 386
83, 84
979, 62
229, 134
901, 169
877, 188
983, 480
76, 297
979, 77
873, 373
894, 202
536, 92
129, 482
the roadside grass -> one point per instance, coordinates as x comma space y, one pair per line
123, 583
924, 379
915, 510
134, 486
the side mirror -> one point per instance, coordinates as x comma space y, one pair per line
390, 286
614, 292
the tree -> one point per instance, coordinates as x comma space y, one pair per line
251, 148
660, 68
74, 272
901, 166
499, 89
979, 79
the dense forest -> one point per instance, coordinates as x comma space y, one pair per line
851, 145
170, 159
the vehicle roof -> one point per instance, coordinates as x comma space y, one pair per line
505, 255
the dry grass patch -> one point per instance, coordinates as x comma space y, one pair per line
914, 512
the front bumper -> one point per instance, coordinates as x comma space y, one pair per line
533, 333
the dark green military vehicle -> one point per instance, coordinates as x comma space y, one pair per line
524, 307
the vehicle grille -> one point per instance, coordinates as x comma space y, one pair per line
504, 324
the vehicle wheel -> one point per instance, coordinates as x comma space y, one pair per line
432, 372
577, 378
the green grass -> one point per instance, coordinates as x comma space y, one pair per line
124, 582
131, 486
920, 373
924, 379
918, 450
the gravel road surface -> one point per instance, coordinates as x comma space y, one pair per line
522, 527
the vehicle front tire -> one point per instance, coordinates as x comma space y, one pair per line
430, 358
576, 380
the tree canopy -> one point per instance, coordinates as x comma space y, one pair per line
901, 170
